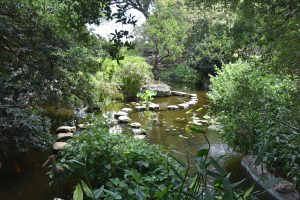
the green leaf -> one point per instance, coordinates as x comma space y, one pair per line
113, 194
86, 189
248, 192
78, 194
202, 152
98, 192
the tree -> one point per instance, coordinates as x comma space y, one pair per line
141, 5
165, 32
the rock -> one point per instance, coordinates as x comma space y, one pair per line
120, 113
57, 199
64, 136
154, 106
192, 95
57, 146
139, 137
138, 131
127, 110
194, 99
285, 187
135, 125
181, 136
140, 108
197, 123
172, 107
183, 105
124, 119
64, 129
192, 103
81, 126
161, 88
178, 93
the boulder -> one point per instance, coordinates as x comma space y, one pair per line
192, 103
172, 107
65, 129
140, 108
124, 119
120, 113
154, 106
194, 99
183, 105
57, 146
178, 93
138, 131
127, 110
139, 137
161, 88
135, 125
192, 95
64, 136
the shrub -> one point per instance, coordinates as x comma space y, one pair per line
260, 112
129, 168
133, 73
182, 73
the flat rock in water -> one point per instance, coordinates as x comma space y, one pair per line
138, 131
178, 93
192, 103
120, 113
140, 108
140, 137
127, 110
154, 106
181, 136
64, 129
57, 146
183, 105
124, 119
135, 125
161, 88
192, 95
64, 136
172, 107
194, 99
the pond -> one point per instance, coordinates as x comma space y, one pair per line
29, 181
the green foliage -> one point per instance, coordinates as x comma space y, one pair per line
126, 167
182, 73
133, 73
260, 112
147, 96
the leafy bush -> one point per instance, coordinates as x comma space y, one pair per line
133, 73
260, 112
126, 167
21, 130
182, 73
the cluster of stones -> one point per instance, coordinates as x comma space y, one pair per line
63, 134
193, 100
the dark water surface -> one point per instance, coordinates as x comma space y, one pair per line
28, 181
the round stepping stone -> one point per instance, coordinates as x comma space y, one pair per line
139, 137
135, 125
178, 93
120, 113
154, 106
65, 129
124, 119
192, 103
81, 126
183, 105
172, 107
64, 136
192, 95
194, 99
127, 110
140, 108
57, 146
138, 131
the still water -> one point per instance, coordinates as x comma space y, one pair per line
27, 180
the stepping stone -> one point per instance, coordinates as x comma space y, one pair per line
178, 93
194, 99
192, 103
172, 107
120, 113
192, 95
64, 136
81, 126
154, 106
181, 136
183, 105
65, 129
124, 119
135, 125
140, 108
138, 131
57, 146
127, 110
139, 137
197, 123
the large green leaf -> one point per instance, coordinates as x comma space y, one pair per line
78, 194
